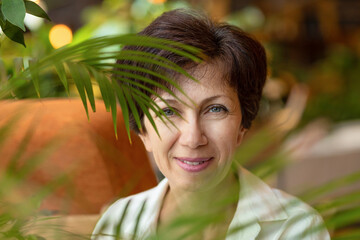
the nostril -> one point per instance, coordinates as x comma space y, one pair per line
193, 138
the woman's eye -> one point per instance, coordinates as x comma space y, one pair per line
217, 109
168, 112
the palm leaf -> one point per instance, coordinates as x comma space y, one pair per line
89, 59
124, 107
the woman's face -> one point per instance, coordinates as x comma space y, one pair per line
197, 155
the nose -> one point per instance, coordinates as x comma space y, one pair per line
192, 134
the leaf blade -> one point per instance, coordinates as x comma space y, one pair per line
132, 105
124, 107
59, 68
35, 77
79, 84
34, 9
14, 12
13, 32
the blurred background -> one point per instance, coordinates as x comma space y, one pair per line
311, 42
312, 92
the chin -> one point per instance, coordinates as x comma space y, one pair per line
195, 184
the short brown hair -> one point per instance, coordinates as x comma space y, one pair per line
244, 58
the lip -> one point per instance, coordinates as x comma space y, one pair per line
193, 159
193, 168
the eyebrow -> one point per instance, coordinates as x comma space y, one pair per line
174, 101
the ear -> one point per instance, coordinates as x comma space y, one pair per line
241, 134
146, 141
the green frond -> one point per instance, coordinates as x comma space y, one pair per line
87, 59
124, 107
79, 75
60, 70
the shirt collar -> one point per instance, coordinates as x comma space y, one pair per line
257, 203
154, 204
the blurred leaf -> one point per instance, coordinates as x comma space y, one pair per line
348, 235
11, 31
254, 145
108, 95
139, 56
131, 104
117, 69
344, 218
14, 12
105, 91
145, 108
34, 9
35, 77
149, 104
3, 75
124, 107
340, 202
314, 193
18, 65
80, 76
62, 75
87, 56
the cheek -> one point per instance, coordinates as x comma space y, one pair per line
162, 146
224, 136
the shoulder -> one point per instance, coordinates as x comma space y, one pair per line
303, 221
130, 216
280, 215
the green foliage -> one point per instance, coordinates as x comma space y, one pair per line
11, 31
12, 15
335, 86
34, 9
332, 81
87, 64
14, 12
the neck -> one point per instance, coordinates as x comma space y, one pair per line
209, 211
217, 201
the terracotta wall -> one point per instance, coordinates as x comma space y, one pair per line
97, 167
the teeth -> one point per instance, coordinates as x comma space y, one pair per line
193, 163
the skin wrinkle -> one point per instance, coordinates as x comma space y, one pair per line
241, 59
234, 64
199, 72
201, 133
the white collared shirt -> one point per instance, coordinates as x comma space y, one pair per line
272, 214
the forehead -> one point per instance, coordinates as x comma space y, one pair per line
213, 74
211, 81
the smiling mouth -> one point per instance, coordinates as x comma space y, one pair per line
193, 165
194, 161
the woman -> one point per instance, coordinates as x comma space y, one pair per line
203, 187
